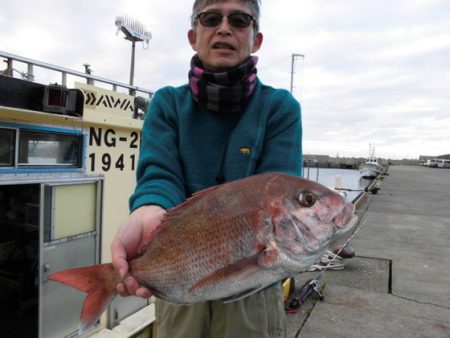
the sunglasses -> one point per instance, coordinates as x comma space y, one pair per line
236, 20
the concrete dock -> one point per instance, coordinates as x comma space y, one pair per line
398, 285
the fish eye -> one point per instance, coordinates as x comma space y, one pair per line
307, 199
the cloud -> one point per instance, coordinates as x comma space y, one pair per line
374, 71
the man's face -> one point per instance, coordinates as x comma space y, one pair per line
224, 46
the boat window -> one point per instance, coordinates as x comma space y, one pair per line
67, 220
37, 148
7, 147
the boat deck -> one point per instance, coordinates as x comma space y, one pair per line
398, 285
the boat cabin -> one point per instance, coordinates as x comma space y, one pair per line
67, 166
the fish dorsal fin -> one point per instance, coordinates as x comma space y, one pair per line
175, 211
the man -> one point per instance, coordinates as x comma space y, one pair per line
221, 126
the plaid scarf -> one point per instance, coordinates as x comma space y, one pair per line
226, 91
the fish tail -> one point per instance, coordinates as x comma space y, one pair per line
99, 281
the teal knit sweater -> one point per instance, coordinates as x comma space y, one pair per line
186, 148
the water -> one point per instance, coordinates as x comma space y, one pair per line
350, 179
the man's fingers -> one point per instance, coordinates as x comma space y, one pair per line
143, 292
131, 285
119, 257
122, 291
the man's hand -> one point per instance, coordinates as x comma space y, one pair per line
134, 233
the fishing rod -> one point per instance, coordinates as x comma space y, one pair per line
373, 190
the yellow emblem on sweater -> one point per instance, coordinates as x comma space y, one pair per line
245, 150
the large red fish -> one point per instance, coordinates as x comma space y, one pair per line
226, 242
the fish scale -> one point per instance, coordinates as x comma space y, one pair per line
209, 255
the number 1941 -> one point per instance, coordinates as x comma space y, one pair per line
107, 163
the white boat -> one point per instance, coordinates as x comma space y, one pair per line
371, 168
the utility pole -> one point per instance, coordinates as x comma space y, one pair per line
294, 58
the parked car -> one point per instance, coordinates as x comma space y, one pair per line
443, 163
431, 163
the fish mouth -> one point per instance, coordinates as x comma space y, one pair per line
349, 225
345, 216
313, 244
340, 231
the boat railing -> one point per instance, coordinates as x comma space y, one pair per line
307, 176
87, 76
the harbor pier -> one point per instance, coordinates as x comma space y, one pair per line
398, 284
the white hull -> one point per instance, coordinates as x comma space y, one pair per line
370, 170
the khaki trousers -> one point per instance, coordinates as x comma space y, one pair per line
260, 315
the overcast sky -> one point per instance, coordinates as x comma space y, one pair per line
374, 71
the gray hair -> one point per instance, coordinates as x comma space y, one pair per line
200, 4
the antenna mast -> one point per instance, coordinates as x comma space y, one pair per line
294, 57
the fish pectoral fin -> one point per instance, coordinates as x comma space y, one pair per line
239, 270
269, 255
242, 294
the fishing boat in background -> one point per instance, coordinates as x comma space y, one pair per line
68, 155
371, 168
